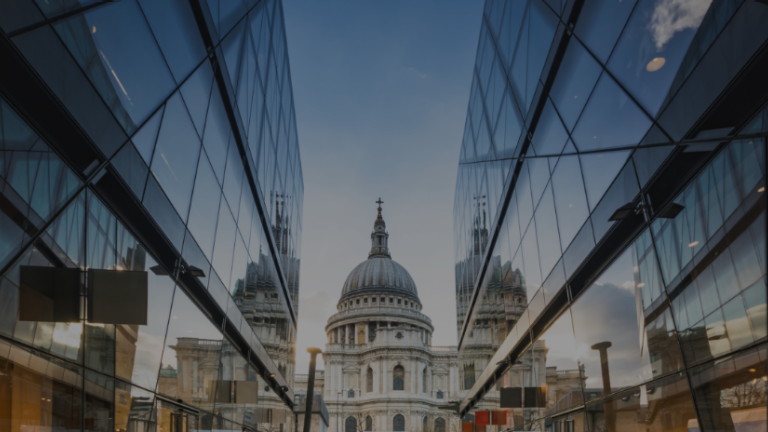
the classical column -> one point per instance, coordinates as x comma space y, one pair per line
414, 375
366, 332
384, 380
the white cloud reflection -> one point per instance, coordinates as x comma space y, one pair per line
672, 16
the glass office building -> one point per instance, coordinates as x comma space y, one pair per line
150, 216
610, 216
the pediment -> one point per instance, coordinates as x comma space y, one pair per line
351, 368
439, 371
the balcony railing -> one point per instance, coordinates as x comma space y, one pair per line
392, 311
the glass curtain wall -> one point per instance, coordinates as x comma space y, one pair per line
184, 113
610, 244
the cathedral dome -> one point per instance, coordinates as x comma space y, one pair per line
379, 274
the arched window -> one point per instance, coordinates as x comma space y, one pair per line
439, 395
424, 424
469, 376
424, 381
398, 423
439, 424
350, 425
350, 393
398, 381
369, 380
368, 423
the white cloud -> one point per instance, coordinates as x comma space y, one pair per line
671, 16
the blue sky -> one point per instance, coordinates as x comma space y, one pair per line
381, 92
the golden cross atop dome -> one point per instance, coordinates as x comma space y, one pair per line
379, 202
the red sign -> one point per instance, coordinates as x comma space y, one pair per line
482, 418
499, 417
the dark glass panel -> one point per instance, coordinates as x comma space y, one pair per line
36, 181
548, 239
205, 206
623, 324
163, 213
45, 52
129, 73
652, 47
538, 168
196, 92
610, 119
573, 85
131, 168
600, 170
550, 136
175, 29
146, 137
542, 30
217, 133
175, 159
647, 161
19, 14
664, 405
225, 243
234, 178
191, 355
510, 29
579, 249
600, 23
570, 201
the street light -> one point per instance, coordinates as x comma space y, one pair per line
313, 352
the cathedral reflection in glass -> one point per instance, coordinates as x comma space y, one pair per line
150, 216
610, 216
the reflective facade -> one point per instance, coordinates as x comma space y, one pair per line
154, 139
609, 216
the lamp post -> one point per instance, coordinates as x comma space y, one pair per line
313, 352
602, 348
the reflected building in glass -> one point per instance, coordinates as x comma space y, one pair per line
151, 196
609, 217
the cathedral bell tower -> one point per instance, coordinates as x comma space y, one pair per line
379, 236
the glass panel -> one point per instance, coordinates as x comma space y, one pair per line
652, 47
731, 393
99, 402
623, 324
139, 348
39, 392
610, 119
574, 84
600, 23
196, 92
129, 73
550, 136
549, 243
190, 366
225, 243
62, 245
647, 161
217, 133
175, 29
163, 213
175, 159
146, 137
205, 206
530, 254
133, 408
553, 353
600, 169
570, 200
664, 405
131, 167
